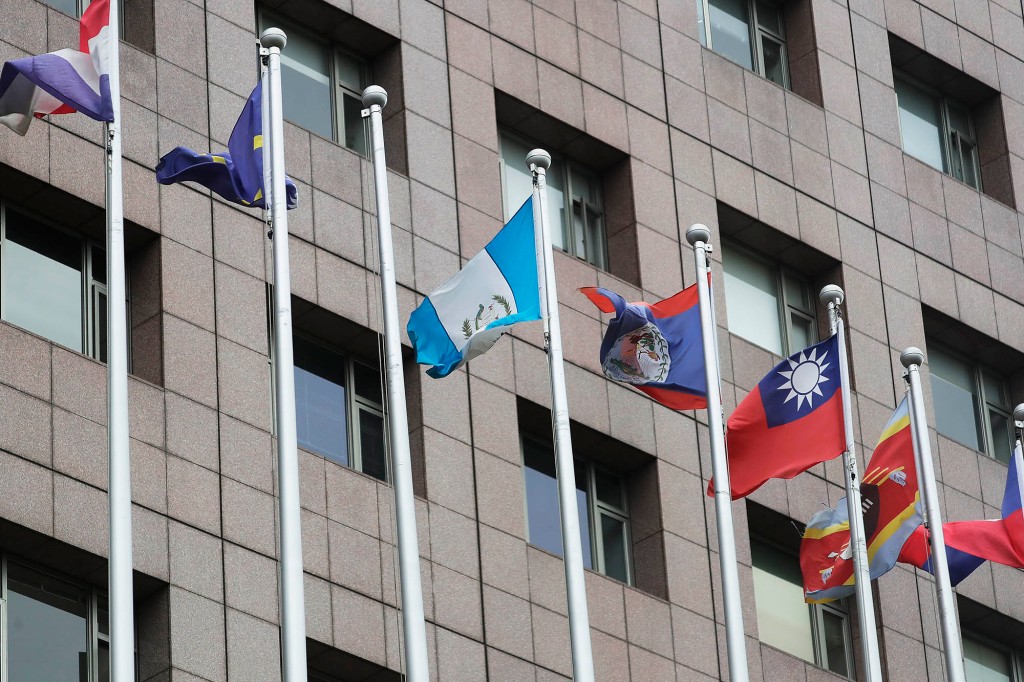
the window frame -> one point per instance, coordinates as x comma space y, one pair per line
840, 608
95, 598
89, 291
595, 509
1016, 657
945, 103
785, 308
596, 256
978, 374
335, 53
757, 33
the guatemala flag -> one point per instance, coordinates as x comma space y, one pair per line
237, 174
657, 348
792, 420
470, 312
64, 81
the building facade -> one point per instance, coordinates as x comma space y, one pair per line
877, 144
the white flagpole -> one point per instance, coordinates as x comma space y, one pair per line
832, 296
413, 627
293, 610
699, 236
912, 358
575, 586
122, 601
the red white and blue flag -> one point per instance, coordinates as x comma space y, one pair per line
792, 420
969, 544
64, 81
656, 348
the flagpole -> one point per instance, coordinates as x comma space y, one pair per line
414, 629
832, 296
293, 616
699, 236
912, 358
575, 586
122, 613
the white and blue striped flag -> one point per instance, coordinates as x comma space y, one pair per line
470, 312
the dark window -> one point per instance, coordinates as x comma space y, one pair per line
748, 32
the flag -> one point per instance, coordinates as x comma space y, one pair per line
657, 348
891, 504
237, 174
469, 313
792, 420
969, 544
64, 81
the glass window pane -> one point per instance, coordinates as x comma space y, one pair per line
306, 80
586, 187
609, 489
519, 186
995, 391
350, 72
798, 294
42, 280
768, 18
98, 263
751, 288
985, 664
542, 502
67, 6
921, 124
801, 333
955, 398
104, 661
783, 619
730, 30
613, 539
320, 414
1002, 436
773, 61
579, 230
959, 121
355, 128
371, 445
368, 383
596, 246
47, 627
834, 626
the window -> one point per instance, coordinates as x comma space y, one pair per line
748, 32
601, 502
54, 629
972, 403
574, 198
323, 86
339, 410
984, 662
53, 283
769, 305
938, 130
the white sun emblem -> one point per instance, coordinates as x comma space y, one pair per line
804, 378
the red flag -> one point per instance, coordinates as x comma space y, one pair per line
791, 421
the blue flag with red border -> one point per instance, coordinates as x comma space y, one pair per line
792, 420
656, 348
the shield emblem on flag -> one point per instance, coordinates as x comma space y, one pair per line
639, 357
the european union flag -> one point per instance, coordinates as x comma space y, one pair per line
237, 174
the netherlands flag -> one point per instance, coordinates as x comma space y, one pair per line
64, 81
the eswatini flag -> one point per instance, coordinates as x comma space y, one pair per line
792, 420
64, 81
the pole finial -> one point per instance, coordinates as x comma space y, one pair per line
1018, 413
538, 158
375, 95
273, 37
698, 233
912, 356
831, 293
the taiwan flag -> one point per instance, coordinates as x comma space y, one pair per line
656, 348
792, 420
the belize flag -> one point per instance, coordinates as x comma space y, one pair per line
792, 420
969, 544
891, 503
656, 348
64, 81
237, 174
469, 313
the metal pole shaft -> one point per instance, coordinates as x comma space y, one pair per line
698, 236
122, 616
293, 617
374, 99
565, 470
912, 359
832, 296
